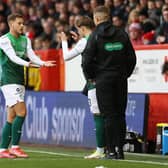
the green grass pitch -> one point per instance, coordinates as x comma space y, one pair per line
47, 157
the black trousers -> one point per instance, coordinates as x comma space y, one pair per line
112, 101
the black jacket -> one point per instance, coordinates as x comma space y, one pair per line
108, 51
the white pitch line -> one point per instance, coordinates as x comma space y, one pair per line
52, 153
70, 155
146, 162
147, 155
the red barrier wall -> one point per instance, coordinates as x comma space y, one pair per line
52, 78
158, 113
158, 103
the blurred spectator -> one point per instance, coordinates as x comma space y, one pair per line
56, 8
146, 23
108, 3
162, 31
131, 4
164, 7
62, 7
71, 22
159, 4
17, 5
143, 4
61, 26
3, 28
32, 14
87, 8
24, 10
135, 34
37, 43
149, 38
166, 2
152, 11
70, 6
51, 10
30, 30
93, 4
119, 9
46, 42
40, 12
47, 30
77, 9
133, 17
118, 22
143, 15
3, 9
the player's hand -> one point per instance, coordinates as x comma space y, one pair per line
63, 36
74, 35
33, 65
49, 63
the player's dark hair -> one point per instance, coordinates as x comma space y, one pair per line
13, 16
85, 21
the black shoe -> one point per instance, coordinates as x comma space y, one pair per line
120, 155
115, 156
111, 156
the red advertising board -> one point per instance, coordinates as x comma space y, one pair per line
158, 113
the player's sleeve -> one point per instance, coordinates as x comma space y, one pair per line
32, 56
7, 48
77, 50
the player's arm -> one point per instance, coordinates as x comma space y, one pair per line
77, 50
35, 59
7, 48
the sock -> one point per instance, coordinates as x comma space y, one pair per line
15, 146
16, 129
100, 150
100, 131
1, 150
6, 136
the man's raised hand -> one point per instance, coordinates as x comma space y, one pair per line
49, 63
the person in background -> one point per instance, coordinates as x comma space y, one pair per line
135, 33
107, 61
14, 50
85, 26
162, 31
118, 22
148, 38
165, 68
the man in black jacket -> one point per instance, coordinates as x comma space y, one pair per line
108, 60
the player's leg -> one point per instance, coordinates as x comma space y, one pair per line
100, 138
99, 125
20, 109
6, 135
100, 132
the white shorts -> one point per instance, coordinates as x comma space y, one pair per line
92, 99
13, 94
